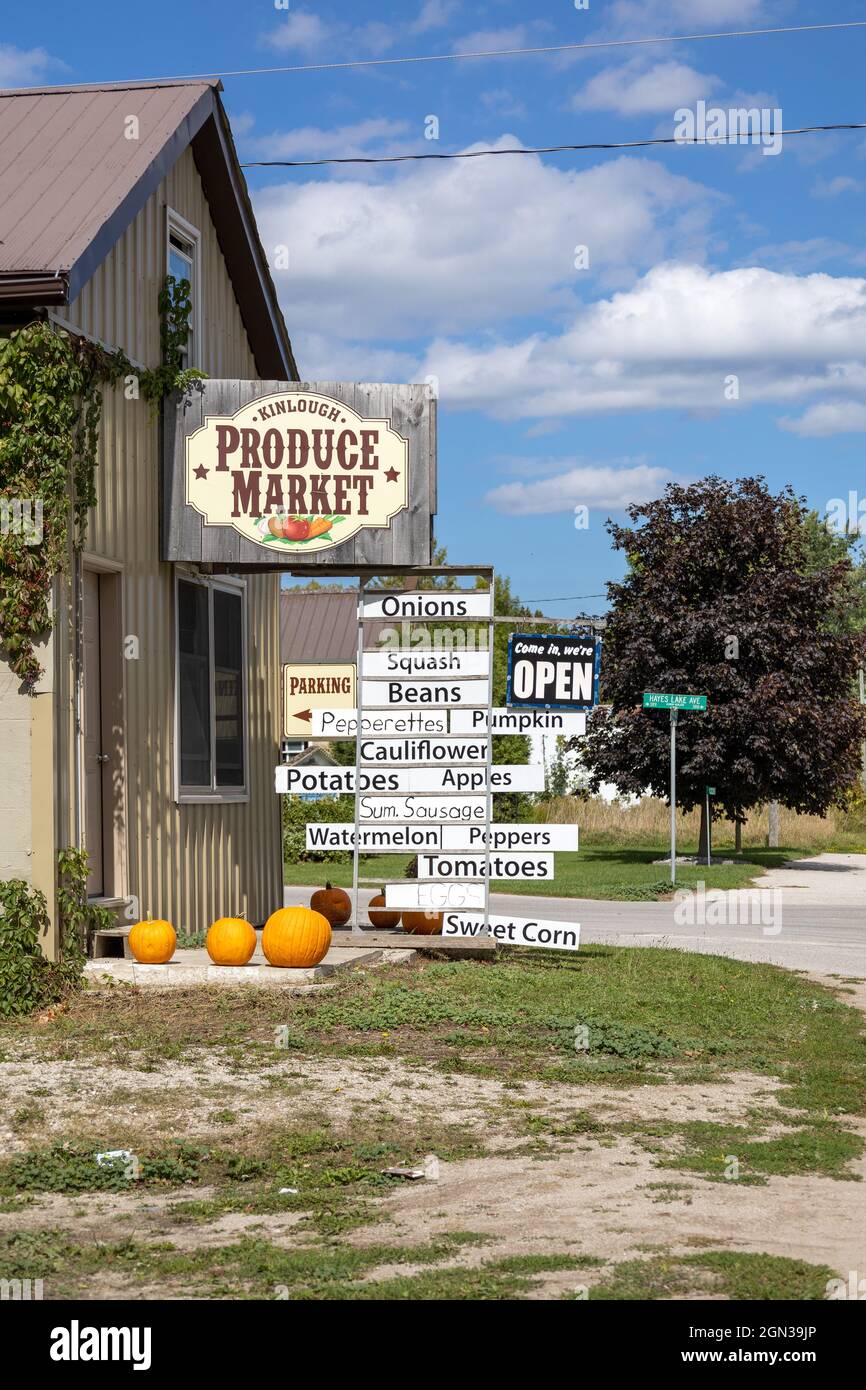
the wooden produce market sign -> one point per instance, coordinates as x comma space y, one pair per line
291, 474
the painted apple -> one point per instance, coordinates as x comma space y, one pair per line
295, 528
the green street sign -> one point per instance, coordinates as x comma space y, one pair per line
711, 791
655, 701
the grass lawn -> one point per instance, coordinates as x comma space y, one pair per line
597, 871
196, 1223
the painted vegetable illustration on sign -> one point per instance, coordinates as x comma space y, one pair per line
296, 530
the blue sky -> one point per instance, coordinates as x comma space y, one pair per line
560, 385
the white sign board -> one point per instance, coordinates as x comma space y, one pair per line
431, 752
422, 663
511, 837
340, 835
502, 866
308, 686
434, 897
504, 777
343, 723
424, 809
513, 721
514, 931
422, 604
393, 839
334, 781
380, 694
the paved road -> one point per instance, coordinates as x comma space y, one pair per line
810, 915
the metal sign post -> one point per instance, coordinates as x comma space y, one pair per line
674, 714
658, 700
711, 791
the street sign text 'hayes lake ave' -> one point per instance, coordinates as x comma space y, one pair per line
652, 700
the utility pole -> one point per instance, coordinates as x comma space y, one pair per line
773, 825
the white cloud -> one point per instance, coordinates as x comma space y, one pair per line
445, 248
493, 40
503, 102
312, 142
831, 188
593, 485
638, 87
671, 342
800, 256
323, 358
434, 14
302, 32
307, 34
829, 417
24, 67
642, 18
674, 16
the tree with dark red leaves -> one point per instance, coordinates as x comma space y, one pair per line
723, 598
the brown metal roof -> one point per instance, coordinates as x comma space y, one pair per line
66, 165
322, 625
71, 183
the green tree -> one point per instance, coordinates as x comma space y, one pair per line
825, 547
724, 597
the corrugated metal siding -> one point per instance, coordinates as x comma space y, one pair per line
189, 863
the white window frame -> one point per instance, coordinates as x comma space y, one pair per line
192, 795
175, 223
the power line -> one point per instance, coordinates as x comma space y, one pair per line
549, 149
522, 52
457, 57
569, 598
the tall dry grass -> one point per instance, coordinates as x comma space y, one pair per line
648, 822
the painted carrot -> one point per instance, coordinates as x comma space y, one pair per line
320, 526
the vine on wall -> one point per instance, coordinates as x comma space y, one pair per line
51, 385
28, 980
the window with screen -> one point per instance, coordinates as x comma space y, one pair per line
183, 264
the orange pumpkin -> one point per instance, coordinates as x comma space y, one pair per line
153, 942
333, 903
381, 919
230, 941
296, 937
423, 923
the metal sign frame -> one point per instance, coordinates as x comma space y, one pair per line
364, 592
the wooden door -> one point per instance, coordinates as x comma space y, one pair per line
92, 732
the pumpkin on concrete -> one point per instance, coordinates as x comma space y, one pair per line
153, 942
423, 923
296, 937
230, 941
379, 915
333, 903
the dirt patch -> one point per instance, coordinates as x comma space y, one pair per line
41, 1099
599, 1200
588, 1195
